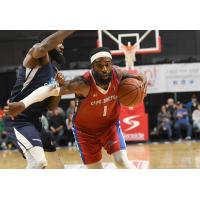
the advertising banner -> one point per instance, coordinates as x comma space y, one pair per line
134, 123
183, 77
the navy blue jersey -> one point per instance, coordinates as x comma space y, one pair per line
29, 80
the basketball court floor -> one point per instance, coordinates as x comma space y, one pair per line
168, 155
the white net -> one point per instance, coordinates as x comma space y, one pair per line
130, 58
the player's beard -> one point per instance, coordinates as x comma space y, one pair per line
100, 80
58, 57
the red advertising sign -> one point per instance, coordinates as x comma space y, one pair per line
134, 123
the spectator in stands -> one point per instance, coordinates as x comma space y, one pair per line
69, 124
182, 122
61, 111
192, 105
164, 122
49, 114
56, 126
71, 108
46, 134
171, 108
196, 119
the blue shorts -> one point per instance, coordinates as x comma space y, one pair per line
25, 135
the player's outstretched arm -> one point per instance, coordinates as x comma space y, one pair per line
76, 85
41, 49
15, 108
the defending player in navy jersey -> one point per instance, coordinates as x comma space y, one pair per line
39, 68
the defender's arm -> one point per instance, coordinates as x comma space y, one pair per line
41, 49
76, 85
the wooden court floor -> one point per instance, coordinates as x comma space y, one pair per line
183, 155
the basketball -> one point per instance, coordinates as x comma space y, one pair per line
130, 92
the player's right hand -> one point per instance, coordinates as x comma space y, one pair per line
13, 109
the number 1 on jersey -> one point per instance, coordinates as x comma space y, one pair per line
105, 108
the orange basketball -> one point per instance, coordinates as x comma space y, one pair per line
130, 92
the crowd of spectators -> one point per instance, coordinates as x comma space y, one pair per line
177, 121
59, 123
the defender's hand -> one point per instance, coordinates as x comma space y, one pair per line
14, 109
60, 78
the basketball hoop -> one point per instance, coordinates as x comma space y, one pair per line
129, 52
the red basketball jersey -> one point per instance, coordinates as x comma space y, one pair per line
100, 109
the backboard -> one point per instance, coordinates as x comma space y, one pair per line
148, 42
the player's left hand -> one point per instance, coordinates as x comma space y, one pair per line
60, 78
143, 79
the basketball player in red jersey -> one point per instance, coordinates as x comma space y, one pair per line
96, 118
